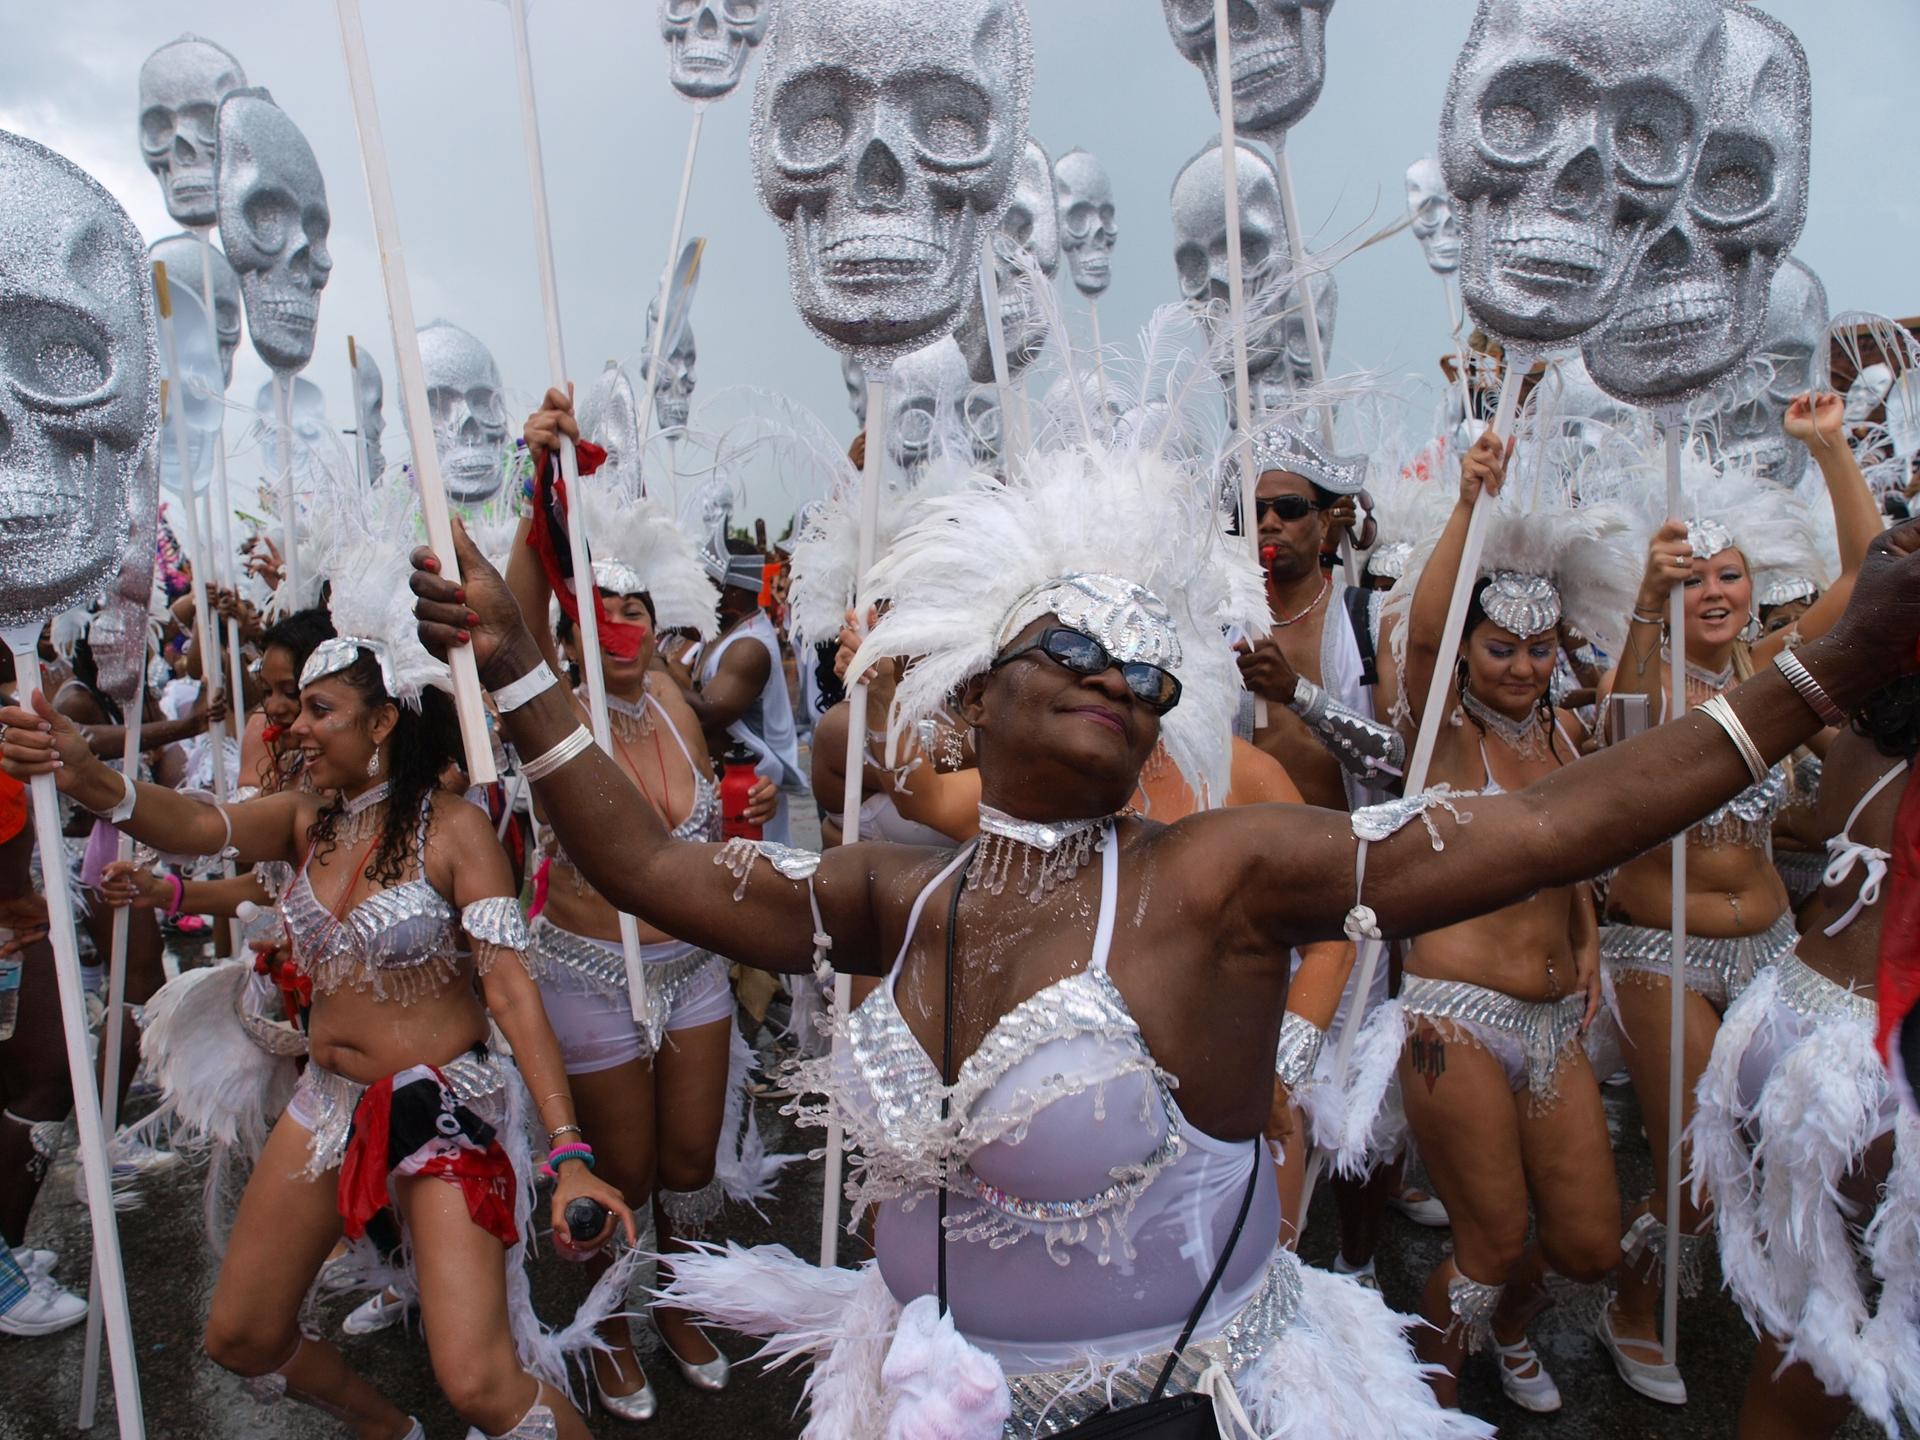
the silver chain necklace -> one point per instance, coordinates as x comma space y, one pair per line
1326, 584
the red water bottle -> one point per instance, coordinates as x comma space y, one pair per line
738, 776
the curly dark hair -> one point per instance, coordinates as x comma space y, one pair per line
299, 634
1890, 718
422, 745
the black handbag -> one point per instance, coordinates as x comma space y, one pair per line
1160, 1416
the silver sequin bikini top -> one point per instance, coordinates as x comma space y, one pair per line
1748, 818
1060, 1099
703, 819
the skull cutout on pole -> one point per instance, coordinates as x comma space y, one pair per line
185, 257
182, 85
79, 410
1026, 250
886, 136
1749, 430
469, 408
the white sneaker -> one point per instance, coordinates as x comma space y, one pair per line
36, 1262
1363, 1273
1525, 1379
381, 1312
136, 1157
43, 1310
1421, 1207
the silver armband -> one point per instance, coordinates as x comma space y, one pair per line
497, 921
1364, 748
1299, 1050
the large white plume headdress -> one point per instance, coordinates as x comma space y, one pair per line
1727, 506
639, 549
368, 542
1127, 540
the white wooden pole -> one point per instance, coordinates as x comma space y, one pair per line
413, 381
113, 1039
870, 480
1677, 981
1015, 437
1099, 349
290, 575
583, 589
360, 465
1430, 720
221, 533
96, 1167
654, 357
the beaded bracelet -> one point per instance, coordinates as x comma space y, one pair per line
582, 1152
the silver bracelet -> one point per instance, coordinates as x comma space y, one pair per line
571, 748
122, 810
1299, 1050
535, 683
1721, 713
1809, 689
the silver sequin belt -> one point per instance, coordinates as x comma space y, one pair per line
1050, 1402
599, 966
324, 1102
1811, 995
1802, 871
1544, 1030
1718, 968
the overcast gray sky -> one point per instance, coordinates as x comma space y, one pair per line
1108, 79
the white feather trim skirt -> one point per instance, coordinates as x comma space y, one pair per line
1790, 1102
1311, 1356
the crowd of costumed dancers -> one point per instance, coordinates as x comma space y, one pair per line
1223, 784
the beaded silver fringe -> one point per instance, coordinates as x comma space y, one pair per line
993, 868
1545, 1030
1646, 1243
1718, 969
1473, 1304
690, 1212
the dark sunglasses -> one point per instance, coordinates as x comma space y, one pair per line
1284, 507
1157, 689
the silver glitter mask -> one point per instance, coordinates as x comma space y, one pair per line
934, 407
708, 42
1281, 448
673, 378
610, 418
1129, 619
885, 139
1523, 605
1696, 302
182, 254
1279, 58
469, 409
181, 87
1084, 194
1430, 211
1749, 432
79, 380
1566, 139
274, 223
1868, 393
1028, 240
369, 393
1198, 202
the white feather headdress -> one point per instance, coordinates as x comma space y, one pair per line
369, 540
964, 566
1728, 505
639, 548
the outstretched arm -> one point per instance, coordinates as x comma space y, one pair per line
1292, 873
613, 835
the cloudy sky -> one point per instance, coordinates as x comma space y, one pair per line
1108, 79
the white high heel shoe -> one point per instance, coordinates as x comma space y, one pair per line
642, 1404
711, 1375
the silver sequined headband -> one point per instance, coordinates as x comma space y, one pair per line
1526, 605
1786, 589
1389, 560
616, 577
1129, 619
330, 657
1707, 538
1279, 448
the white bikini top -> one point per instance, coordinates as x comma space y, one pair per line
703, 819
1844, 853
1494, 787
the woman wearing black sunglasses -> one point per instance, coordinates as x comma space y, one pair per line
1053, 990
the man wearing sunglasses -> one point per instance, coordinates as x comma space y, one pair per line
1318, 675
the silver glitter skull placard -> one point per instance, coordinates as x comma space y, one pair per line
369, 403
710, 41
934, 406
1567, 137
199, 389
1282, 368
1694, 305
1198, 203
1430, 216
1026, 252
610, 418
79, 380
886, 136
1279, 58
274, 223
182, 255
469, 407
673, 377
1083, 192
181, 87
1750, 431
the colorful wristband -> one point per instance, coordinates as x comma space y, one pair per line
563, 1153
179, 894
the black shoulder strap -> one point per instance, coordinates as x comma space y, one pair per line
1359, 602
